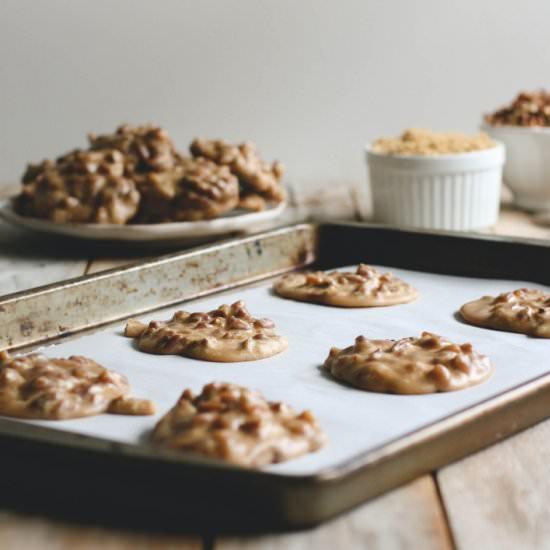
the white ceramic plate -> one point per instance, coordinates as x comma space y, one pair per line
237, 221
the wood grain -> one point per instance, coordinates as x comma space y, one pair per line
518, 223
408, 517
498, 498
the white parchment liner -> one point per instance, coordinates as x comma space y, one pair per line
354, 420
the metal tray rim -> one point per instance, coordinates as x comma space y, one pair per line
440, 432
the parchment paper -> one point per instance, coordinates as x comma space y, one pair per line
354, 420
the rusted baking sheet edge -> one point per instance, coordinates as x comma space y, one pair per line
77, 304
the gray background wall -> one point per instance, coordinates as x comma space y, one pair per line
309, 81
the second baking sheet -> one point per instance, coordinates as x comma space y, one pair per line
355, 421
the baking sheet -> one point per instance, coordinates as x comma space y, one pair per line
354, 420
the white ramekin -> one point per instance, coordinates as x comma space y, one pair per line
527, 168
457, 191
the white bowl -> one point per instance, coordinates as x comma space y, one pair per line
456, 191
527, 168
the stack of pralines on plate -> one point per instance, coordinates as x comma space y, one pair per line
136, 175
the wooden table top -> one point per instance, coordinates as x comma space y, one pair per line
496, 498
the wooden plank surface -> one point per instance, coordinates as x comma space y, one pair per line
499, 498
518, 223
408, 517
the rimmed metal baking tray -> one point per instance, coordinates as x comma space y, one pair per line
94, 479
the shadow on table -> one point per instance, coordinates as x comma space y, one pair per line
18, 243
144, 494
